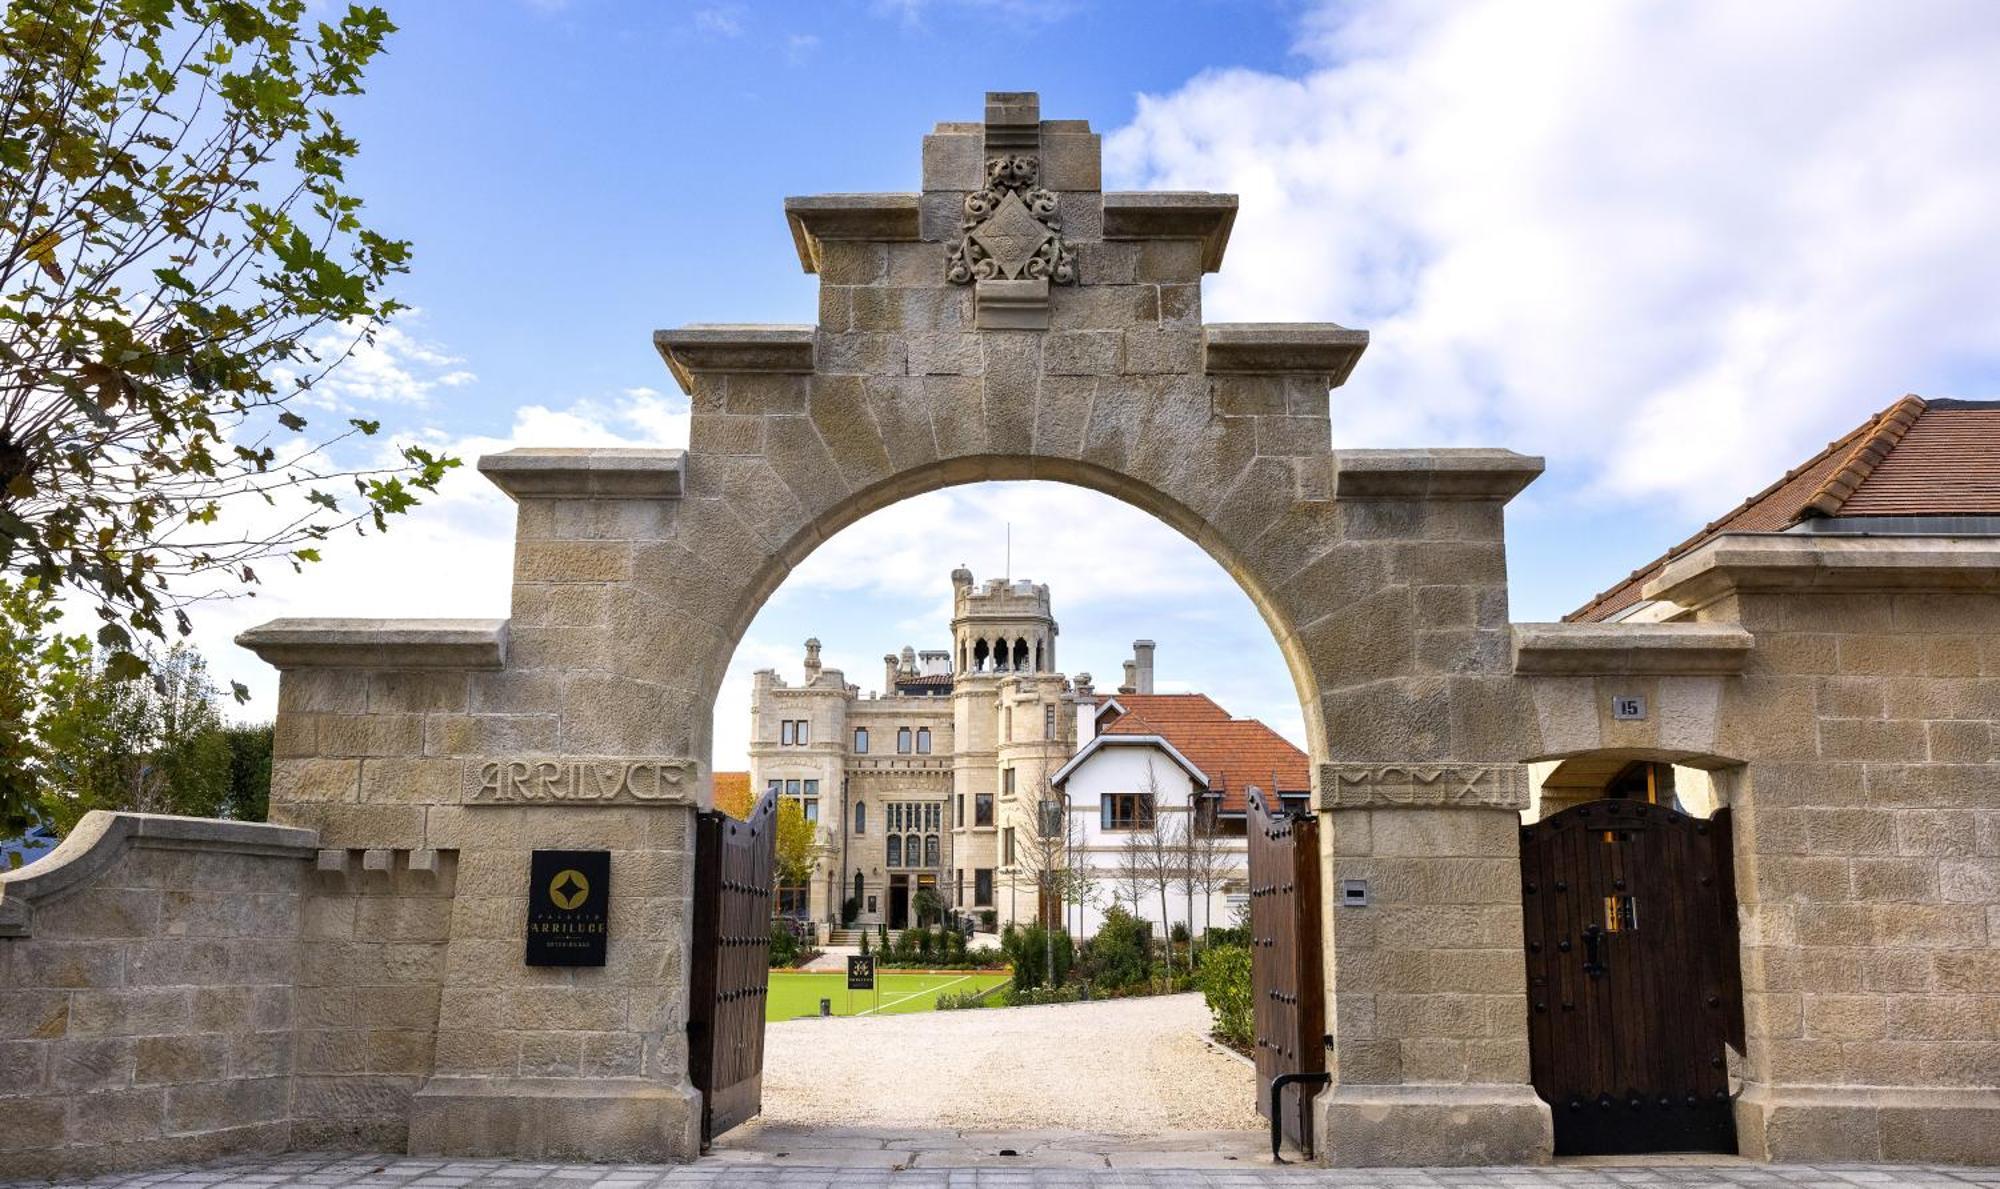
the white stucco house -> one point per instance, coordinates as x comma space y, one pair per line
1183, 762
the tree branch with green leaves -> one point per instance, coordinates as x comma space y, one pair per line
181, 265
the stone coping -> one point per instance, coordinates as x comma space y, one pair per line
1435, 474
1814, 561
379, 643
735, 347
597, 471
1173, 214
871, 218
101, 837
1268, 348
1635, 649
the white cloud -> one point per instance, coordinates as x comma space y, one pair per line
721, 20
392, 365
452, 557
800, 47
1674, 247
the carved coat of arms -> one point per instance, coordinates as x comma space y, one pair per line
1011, 230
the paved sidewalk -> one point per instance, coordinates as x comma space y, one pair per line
802, 1172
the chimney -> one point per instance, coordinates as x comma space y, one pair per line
1131, 683
1086, 710
1142, 656
888, 674
812, 661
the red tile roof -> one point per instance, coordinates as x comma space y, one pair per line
1235, 753
1915, 458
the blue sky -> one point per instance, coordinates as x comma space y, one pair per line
1673, 248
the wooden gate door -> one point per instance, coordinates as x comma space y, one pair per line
1629, 916
730, 968
1285, 972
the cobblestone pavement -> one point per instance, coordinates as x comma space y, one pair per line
800, 1171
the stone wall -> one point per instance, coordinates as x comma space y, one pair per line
1869, 874
147, 968
372, 966
1845, 692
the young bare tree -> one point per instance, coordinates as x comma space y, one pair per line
1181, 841
1212, 864
1130, 876
1159, 858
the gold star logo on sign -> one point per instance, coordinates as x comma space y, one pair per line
569, 889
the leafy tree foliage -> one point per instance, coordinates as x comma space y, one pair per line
34, 658
155, 746
249, 798
180, 264
798, 846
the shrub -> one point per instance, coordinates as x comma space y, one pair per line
1029, 949
1034, 996
985, 955
1178, 935
989, 920
962, 1000
1121, 955
1225, 986
784, 944
1237, 935
864, 943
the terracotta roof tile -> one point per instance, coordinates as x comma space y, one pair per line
1915, 458
1234, 752
1946, 464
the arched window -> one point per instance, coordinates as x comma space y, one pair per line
979, 656
931, 851
923, 741
1021, 655
857, 891
861, 817
895, 858
912, 850
861, 741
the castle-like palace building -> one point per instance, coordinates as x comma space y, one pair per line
921, 784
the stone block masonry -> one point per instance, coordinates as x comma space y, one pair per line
147, 972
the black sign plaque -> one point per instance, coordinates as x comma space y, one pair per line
569, 902
861, 972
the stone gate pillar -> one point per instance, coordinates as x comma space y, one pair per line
1430, 1040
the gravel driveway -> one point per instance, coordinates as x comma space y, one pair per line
1124, 1067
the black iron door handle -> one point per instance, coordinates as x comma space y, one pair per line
1593, 953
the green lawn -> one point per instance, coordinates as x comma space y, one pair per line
796, 994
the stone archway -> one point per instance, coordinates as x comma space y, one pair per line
1012, 321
